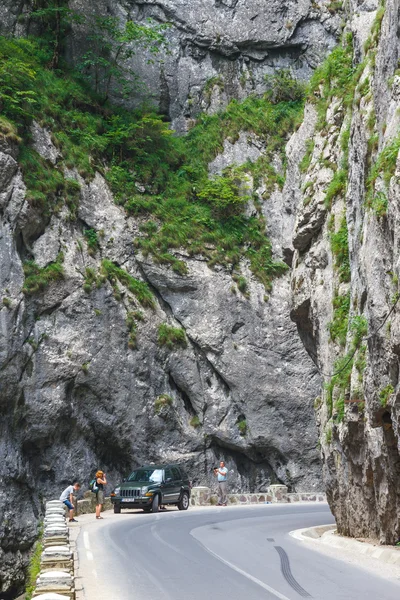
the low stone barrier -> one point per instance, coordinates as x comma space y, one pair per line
56, 578
204, 496
88, 504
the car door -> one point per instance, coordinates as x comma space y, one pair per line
169, 492
177, 480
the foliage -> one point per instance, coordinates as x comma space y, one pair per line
340, 250
161, 401
92, 240
131, 323
241, 283
111, 46
385, 394
151, 172
337, 187
224, 195
379, 204
283, 87
54, 19
195, 422
140, 289
17, 78
339, 325
306, 160
328, 434
343, 367
91, 279
384, 167
336, 77
334, 6
171, 337
37, 279
242, 426
34, 566
372, 41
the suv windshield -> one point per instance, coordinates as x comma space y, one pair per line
147, 475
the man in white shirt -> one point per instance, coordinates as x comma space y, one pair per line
67, 498
222, 476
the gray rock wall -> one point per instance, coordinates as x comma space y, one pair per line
360, 445
220, 50
74, 396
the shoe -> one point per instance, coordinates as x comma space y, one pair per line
224, 504
99, 517
73, 520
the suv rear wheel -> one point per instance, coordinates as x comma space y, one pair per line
117, 509
155, 504
183, 503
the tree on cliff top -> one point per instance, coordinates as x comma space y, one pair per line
112, 45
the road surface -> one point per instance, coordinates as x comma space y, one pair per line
229, 553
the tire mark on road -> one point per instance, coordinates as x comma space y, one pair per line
288, 575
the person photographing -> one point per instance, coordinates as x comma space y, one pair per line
101, 481
222, 477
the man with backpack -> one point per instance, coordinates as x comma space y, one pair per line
67, 498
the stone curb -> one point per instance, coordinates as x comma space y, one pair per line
327, 536
56, 580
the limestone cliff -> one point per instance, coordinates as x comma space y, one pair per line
345, 276
86, 380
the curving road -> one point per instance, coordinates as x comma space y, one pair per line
232, 553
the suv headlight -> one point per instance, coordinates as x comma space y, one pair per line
144, 490
117, 491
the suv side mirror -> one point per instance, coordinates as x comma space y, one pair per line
168, 479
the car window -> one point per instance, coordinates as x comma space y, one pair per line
175, 473
147, 475
168, 474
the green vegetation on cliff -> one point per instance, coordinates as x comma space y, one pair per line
159, 178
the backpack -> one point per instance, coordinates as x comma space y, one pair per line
93, 487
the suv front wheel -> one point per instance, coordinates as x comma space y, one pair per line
183, 503
155, 504
117, 509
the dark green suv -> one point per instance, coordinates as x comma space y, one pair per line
151, 486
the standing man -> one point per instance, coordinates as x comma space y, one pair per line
222, 476
67, 498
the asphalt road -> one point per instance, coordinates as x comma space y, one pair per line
232, 553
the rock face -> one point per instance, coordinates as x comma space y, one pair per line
219, 50
359, 409
75, 396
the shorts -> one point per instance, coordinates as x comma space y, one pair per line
68, 504
100, 497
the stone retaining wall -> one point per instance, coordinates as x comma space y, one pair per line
204, 496
56, 579
88, 504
